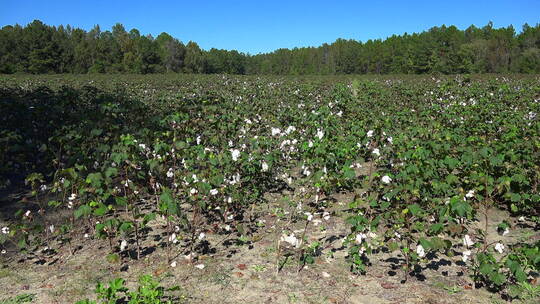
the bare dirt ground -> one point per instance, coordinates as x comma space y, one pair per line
244, 269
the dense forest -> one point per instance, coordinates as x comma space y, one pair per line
38, 48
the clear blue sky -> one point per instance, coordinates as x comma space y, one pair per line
262, 26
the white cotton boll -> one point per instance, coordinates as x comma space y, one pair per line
470, 194
326, 216
467, 241
5, 230
499, 247
51, 228
390, 139
290, 129
173, 264
213, 192
291, 239
325, 274
264, 166
199, 266
466, 255
123, 245
201, 236
370, 133
506, 231
360, 237
420, 251
193, 191
386, 179
309, 216
362, 250
275, 131
310, 144
198, 140
319, 134
27, 213
376, 151
173, 239
170, 173
235, 154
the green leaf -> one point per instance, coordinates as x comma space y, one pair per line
126, 226
416, 210
515, 197
54, 203
497, 278
111, 171
149, 217
436, 228
426, 244
83, 210
121, 200
94, 179
486, 268
460, 207
348, 173
101, 210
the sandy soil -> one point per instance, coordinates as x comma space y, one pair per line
244, 270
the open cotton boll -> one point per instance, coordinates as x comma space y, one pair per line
291, 239
264, 166
420, 251
319, 134
123, 245
386, 179
499, 247
467, 241
235, 153
466, 255
360, 237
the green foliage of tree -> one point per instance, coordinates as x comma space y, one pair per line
38, 48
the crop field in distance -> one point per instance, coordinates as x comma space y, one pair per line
269, 189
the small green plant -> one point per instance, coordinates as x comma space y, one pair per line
525, 291
22, 298
149, 291
258, 268
450, 289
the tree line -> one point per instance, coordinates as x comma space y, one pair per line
38, 48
